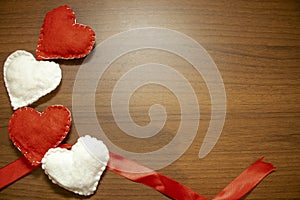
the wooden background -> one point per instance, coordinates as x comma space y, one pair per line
256, 46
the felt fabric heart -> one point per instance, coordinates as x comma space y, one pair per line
62, 37
79, 169
34, 133
27, 80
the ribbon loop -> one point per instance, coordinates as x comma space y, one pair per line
239, 187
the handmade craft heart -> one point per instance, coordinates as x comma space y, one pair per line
27, 80
62, 37
79, 169
34, 133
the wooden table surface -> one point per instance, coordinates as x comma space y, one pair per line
256, 46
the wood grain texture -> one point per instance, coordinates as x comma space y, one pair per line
256, 46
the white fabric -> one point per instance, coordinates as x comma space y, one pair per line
27, 80
79, 169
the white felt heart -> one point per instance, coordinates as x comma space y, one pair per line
79, 169
27, 80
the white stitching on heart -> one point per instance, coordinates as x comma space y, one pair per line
79, 169
27, 80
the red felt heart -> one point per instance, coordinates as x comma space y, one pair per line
34, 133
62, 37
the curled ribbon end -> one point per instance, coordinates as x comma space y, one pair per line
246, 181
270, 165
238, 188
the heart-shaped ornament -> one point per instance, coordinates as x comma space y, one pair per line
34, 133
62, 37
27, 80
79, 169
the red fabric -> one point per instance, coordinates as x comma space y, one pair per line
33, 133
246, 181
62, 37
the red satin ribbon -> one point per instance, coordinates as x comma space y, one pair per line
246, 181
14, 171
240, 186
153, 179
